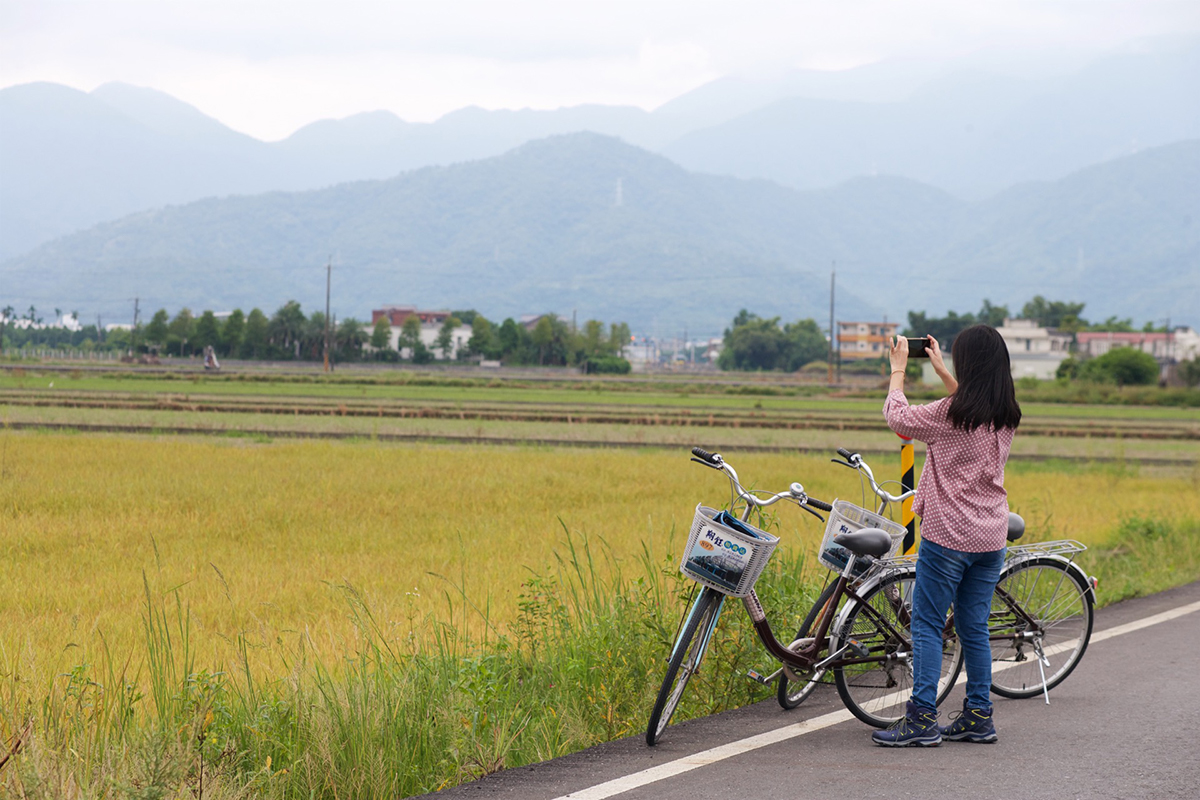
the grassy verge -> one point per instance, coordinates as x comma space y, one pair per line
390, 717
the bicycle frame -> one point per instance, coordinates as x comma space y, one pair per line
847, 587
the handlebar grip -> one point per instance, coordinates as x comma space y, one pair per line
844, 453
821, 504
704, 455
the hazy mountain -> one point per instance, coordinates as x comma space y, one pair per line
69, 159
972, 134
588, 223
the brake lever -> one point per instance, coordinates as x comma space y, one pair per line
702, 462
809, 510
839, 462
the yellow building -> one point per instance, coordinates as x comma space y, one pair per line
862, 340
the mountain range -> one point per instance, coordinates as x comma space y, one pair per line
71, 159
589, 223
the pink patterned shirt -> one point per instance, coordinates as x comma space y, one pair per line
960, 497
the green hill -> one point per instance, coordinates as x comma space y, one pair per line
585, 222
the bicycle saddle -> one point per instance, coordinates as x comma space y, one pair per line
866, 542
1016, 527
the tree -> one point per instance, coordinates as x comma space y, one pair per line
1124, 366
1189, 372
509, 337
549, 339
5, 315
1051, 314
349, 339
593, 341
208, 331
156, 332
618, 338
257, 336
483, 340
312, 339
381, 334
754, 344
805, 343
1113, 324
181, 329
232, 332
991, 315
445, 337
286, 328
410, 335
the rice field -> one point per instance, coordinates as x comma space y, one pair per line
269, 615
261, 536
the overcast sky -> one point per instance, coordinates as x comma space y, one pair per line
267, 67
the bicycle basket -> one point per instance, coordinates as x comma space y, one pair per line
847, 517
724, 558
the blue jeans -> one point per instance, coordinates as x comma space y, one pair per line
967, 580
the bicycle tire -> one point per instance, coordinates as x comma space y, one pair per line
1060, 600
877, 692
791, 693
685, 660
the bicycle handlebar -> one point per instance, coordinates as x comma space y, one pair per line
855, 461
794, 493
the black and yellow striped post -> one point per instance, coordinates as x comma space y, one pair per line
907, 461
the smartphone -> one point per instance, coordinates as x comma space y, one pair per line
918, 348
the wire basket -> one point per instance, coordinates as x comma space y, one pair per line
724, 558
847, 518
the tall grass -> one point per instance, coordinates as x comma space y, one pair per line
389, 717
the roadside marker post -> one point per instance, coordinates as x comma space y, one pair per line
907, 482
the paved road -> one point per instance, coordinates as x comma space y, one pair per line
1125, 724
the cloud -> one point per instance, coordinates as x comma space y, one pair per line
269, 66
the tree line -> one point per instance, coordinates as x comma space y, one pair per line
290, 334
758, 343
1062, 315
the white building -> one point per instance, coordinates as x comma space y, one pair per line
1035, 352
431, 328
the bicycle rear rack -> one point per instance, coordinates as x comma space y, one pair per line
1058, 547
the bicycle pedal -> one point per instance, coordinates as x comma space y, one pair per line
858, 648
758, 677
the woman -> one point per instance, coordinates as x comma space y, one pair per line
964, 524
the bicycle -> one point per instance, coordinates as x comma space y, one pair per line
866, 644
1041, 618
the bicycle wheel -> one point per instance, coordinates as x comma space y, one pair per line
685, 660
1059, 599
877, 689
791, 692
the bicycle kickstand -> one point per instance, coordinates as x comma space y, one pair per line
1043, 662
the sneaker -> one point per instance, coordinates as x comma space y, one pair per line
917, 728
971, 725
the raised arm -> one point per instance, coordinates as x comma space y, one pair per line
939, 366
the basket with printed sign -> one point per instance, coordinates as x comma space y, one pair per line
846, 518
725, 553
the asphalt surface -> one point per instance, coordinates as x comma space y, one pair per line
1125, 724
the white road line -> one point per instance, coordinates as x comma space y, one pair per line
703, 759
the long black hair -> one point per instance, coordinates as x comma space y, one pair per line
985, 394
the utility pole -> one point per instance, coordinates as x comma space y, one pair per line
328, 275
832, 331
133, 335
